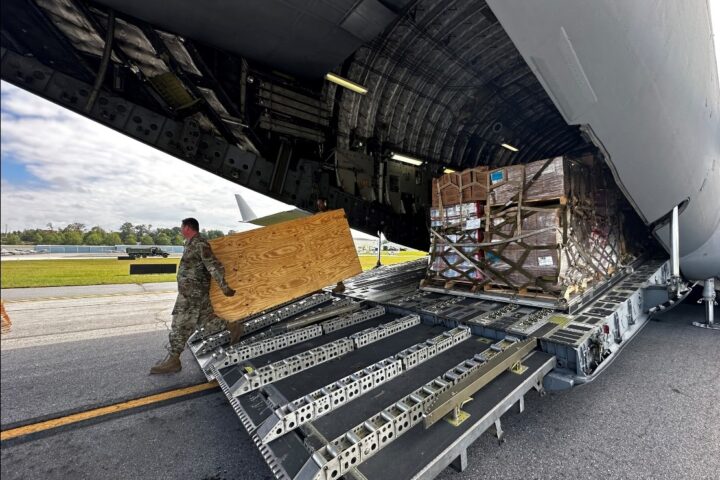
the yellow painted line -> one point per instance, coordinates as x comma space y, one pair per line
99, 412
79, 297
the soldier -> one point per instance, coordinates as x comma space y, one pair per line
193, 308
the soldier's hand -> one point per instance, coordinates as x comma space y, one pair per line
229, 292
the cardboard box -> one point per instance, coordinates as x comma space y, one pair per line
460, 187
557, 178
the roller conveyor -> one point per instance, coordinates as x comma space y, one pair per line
310, 417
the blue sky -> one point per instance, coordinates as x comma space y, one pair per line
14, 171
59, 167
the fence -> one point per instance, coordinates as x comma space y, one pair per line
100, 248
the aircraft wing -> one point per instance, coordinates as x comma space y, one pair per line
279, 217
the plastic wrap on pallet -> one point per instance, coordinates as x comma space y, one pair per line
446, 264
463, 216
578, 250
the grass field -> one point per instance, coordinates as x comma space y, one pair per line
61, 273
369, 261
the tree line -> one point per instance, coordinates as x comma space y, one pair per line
79, 234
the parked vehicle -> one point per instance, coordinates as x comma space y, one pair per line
144, 252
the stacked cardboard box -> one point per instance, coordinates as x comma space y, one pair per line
547, 227
554, 179
456, 188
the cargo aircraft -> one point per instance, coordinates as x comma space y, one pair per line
363, 103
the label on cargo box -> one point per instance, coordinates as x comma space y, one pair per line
497, 176
546, 261
473, 224
492, 258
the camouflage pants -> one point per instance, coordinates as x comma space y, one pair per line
189, 314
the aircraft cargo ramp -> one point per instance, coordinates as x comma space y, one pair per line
388, 381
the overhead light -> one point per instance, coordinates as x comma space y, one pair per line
404, 159
344, 82
509, 147
448, 170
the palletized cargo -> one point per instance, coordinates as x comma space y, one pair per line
547, 229
460, 223
558, 250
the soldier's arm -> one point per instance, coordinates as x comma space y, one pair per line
213, 265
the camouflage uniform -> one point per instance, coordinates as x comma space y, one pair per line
193, 308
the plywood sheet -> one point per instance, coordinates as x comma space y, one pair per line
282, 262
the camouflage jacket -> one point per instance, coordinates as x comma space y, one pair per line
196, 267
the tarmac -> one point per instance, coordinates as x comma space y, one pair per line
655, 413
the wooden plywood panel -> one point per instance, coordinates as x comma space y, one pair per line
282, 262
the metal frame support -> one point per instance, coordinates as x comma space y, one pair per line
461, 462
102, 70
499, 433
675, 242
379, 263
675, 285
709, 299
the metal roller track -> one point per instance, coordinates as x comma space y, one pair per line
328, 398
292, 365
280, 314
337, 307
421, 352
236, 354
212, 342
308, 359
209, 341
492, 316
352, 319
365, 440
336, 394
375, 334
530, 324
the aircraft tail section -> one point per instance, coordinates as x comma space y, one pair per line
246, 213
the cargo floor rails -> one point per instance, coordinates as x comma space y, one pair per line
357, 395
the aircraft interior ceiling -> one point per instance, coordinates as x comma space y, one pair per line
239, 90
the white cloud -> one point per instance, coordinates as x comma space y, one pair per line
91, 174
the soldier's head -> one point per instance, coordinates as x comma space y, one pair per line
189, 227
321, 204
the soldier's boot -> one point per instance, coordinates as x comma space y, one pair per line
171, 364
236, 331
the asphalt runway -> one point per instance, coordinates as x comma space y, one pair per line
46, 316
655, 413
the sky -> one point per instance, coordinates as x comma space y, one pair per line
59, 167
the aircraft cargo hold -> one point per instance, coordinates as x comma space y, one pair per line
546, 230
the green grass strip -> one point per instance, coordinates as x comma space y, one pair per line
68, 272
105, 271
